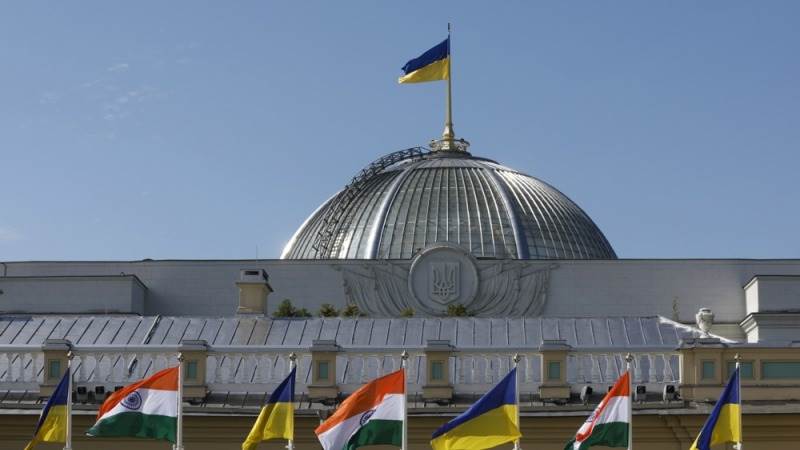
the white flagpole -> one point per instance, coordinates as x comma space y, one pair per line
403, 366
517, 359
68, 440
179, 433
629, 369
292, 358
738, 359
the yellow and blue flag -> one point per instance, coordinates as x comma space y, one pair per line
52, 426
490, 422
432, 65
276, 420
725, 423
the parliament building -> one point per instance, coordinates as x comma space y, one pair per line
456, 259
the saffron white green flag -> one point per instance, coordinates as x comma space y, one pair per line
372, 415
146, 409
609, 424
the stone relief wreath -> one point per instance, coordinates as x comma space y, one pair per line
443, 275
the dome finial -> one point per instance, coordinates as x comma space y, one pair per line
448, 142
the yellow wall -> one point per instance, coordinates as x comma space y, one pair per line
651, 432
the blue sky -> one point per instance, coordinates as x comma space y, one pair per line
212, 129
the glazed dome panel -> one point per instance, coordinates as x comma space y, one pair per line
489, 210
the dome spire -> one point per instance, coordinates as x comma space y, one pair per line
448, 142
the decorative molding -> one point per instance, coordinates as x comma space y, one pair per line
428, 285
379, 289
442, 275
513, 289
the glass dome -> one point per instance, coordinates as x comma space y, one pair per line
405, 202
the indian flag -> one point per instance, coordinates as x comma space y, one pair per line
147, 409
609, 424
372, 415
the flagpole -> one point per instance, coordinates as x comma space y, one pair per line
738, 360
403, 367
449, 135
517, 359
68, 440
179, 433
629, 369
292, 358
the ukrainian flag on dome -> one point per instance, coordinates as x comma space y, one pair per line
52, 426
725, 422
490, 422
276, 420
432, 65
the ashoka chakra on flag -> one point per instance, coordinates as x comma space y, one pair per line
372, 415
147, 409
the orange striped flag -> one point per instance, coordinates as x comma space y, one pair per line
372, 415
146, 409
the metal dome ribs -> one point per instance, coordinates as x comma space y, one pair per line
409, 200
336, 212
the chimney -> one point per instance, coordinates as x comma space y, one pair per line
254, 288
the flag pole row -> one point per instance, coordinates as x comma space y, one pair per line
375, 414
68, 431
179, 432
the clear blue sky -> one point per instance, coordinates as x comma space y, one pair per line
210, 129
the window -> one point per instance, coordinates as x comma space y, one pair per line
709, 370
745, 370
437, 370
191, 370
554, 370
778, 370
54, 368
322, 370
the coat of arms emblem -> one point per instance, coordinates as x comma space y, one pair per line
444, 281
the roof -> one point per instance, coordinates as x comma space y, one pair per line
463, 333
248, 356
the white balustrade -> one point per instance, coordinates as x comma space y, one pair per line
603, 368
22, 369
477, 371
260, 369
